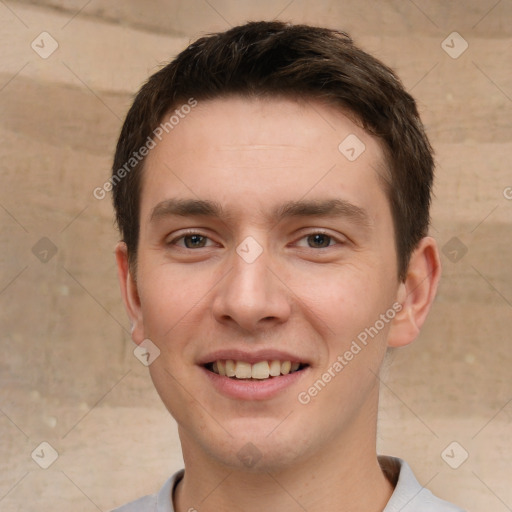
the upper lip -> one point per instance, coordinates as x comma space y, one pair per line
251, 357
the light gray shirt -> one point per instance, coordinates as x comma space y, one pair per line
408, 496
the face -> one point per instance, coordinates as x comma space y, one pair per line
265, 252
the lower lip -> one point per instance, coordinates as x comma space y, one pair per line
253, 389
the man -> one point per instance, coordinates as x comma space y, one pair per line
272, 188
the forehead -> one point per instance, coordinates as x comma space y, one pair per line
263, 150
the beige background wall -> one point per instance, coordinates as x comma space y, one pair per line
68, 373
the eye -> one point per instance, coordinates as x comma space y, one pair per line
317, 241
192, 241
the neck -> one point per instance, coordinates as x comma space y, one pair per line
339, 478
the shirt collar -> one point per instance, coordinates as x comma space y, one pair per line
397, 471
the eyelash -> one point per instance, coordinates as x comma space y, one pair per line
185, 235
305, 236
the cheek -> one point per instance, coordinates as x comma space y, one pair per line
172, 387
169, 299
344, 299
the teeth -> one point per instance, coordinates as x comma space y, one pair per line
260, 370
275, 368
230, 368
243, 370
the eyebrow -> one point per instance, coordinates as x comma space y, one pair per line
324, 208
302, 208
187, 208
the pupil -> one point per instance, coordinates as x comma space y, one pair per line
194, 241
319, 240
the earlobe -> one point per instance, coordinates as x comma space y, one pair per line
416, 293
129, 293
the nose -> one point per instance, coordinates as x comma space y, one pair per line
251, 297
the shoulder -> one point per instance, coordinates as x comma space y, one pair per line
145, 504
160, 502
409, 494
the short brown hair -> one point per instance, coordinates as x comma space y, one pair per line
295, 61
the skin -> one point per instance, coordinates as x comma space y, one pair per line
252, 157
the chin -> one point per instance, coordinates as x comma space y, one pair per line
260, 448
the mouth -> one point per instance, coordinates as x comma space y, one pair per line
258, 371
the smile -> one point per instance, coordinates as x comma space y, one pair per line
258, 371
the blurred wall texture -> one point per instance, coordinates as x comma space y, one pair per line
68, 71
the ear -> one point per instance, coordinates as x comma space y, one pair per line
129, 293
416, 293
